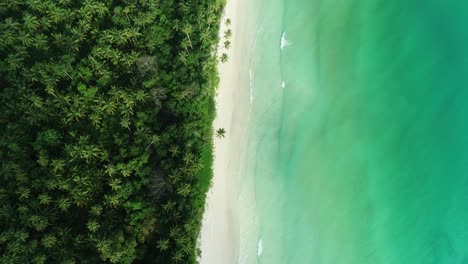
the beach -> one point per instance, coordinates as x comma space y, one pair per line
219, 237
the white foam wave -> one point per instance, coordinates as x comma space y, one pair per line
284, 42
283, 84
260, 247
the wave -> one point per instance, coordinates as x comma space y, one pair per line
284, 42
283, 84
260, 247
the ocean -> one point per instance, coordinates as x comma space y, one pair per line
358, 135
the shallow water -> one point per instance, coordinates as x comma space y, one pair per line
362, 157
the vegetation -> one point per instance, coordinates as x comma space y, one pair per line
227, 43
224, 58
105, 128
227, 34
221, 133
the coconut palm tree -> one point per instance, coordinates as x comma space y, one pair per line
187, 30
30, 22
49, 241
184, 190
174, 149
93, 226
227, 34
163, 244
224, 58
178, 256
220, 133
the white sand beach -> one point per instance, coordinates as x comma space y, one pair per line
220, 233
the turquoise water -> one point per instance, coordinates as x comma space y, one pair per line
362, 157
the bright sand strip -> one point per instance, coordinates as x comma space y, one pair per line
219, 238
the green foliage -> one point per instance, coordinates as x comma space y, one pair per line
227, 34
221, 132
224, 58
227, 44
105, 129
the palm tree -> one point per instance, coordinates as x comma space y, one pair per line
169, 206
183, 57
204, 37
15, 61
115, 184
228, 22
221, 133
10, 24
227, 34
185, 8
174, 149
227, 44
184, 190
40, 41
174, 232
44, 199
25, 38
187, 30
175, 176
224, 58
24, 193
154, 140
163, 244
188, 158
38, 222
8, 39
93, 226
178, 256
30, 22
176, 26
96, 210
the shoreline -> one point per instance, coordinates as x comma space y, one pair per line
219, 236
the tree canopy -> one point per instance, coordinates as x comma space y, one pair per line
106, 111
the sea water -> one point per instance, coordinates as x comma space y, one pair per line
358, 137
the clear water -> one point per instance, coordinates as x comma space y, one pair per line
362, 157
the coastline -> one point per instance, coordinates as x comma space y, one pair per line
219, 237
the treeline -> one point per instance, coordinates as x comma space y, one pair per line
106, 112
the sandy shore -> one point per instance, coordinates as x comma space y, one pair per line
220, 233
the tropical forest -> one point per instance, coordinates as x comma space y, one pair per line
106, 136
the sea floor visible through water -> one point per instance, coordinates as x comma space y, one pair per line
357, 146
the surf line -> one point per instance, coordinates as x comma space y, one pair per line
260, 247
284, 42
